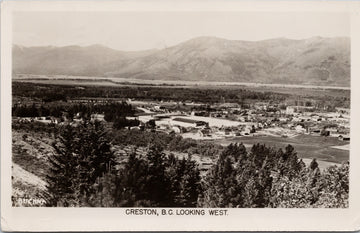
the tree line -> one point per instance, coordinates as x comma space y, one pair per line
111, 111
50, 93
85, 172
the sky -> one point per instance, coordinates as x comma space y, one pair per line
131, 31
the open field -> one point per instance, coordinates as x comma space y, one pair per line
25, 77
322, 164
307, 146
343, 147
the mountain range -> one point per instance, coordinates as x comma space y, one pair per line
313, 61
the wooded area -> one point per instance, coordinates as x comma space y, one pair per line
84, 173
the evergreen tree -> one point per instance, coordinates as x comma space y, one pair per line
185, 183
130, 184
157, 185
82, 157
289, 164
220, 185
314, 164
95, 158
63, 169
334, 187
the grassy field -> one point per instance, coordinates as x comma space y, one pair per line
307, 146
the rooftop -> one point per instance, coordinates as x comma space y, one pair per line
186, 120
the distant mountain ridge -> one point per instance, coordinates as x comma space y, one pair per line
313, 61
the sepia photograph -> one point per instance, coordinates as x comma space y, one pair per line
187, 113
166, 114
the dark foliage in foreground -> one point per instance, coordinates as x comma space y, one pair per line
84, 173
265, 177
82, 157
157, 180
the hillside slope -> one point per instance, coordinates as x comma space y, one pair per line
314, 61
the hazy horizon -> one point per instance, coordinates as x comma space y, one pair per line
135, 31
91, 45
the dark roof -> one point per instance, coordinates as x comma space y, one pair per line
185, 120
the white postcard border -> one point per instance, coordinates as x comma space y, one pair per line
115, 219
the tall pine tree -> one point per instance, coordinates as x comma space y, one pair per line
82, 156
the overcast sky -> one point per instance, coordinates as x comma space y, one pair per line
147, 30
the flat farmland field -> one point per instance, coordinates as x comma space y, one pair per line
306, 146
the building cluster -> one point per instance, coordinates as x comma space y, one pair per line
210, 121
229, 120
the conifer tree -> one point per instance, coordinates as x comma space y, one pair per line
157, 185
188, 176
82, 156
63, 169
95, 157
130, 183
220, 185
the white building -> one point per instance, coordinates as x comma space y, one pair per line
290, 110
